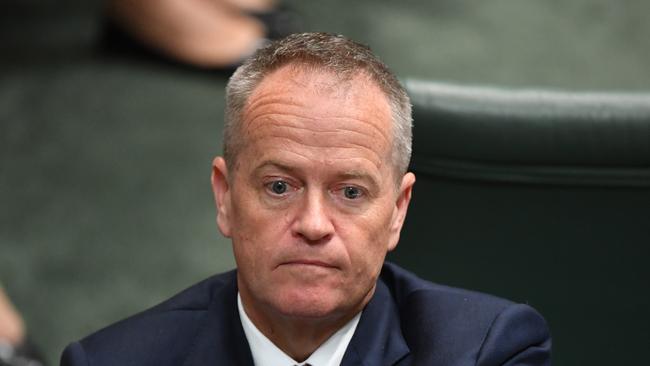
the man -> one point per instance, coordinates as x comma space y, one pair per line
313, 191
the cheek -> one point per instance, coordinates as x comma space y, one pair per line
258, 232
366, 239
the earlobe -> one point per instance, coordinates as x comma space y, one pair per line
221, 191
401, 207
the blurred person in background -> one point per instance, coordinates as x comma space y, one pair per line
15, 350
211, 34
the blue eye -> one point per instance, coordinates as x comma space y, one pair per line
352, 193
279, 187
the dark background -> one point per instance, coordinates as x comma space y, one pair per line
105, 204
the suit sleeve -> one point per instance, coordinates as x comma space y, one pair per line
518, 336
74, 355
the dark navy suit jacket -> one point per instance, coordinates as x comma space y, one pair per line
408, 321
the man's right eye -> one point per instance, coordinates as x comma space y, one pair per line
278, 187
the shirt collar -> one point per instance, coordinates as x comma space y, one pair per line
265, 353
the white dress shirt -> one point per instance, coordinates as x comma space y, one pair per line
265, 353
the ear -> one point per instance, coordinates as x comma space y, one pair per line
401, 206
221, 191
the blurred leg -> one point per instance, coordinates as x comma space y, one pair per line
254, 5
204, 33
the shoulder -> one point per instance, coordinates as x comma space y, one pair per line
460, 323
140, 339
411, 292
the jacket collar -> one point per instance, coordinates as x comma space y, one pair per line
378, 339
221, 339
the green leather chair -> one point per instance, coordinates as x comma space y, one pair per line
542, 197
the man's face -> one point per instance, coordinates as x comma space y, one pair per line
313, 204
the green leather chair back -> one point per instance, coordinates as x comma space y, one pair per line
541, 197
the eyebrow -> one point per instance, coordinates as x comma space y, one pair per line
273, 164
354, 174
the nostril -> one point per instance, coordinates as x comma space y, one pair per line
319, 241
313, 239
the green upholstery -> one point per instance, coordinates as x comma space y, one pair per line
541, 197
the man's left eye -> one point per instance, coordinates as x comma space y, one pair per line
352, 193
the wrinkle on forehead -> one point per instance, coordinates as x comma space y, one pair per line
322, 153
332, 139
318, 126
317, 109
287, 107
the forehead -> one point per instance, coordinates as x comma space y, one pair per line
316, 115
316, 84
319, 100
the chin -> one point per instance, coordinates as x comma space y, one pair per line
303, 304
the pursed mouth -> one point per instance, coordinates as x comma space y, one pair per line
308, 262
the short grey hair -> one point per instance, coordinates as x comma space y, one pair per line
335, 53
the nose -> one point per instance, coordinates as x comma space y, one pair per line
313, 223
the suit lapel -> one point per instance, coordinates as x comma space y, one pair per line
221, 340
378, 339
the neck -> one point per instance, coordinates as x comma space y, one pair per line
296, 336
